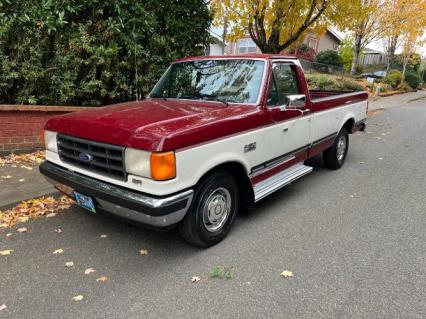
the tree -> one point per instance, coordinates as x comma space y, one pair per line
402, 17
364, 27
275, 25
346, 52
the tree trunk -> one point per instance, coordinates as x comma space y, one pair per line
391, 52
357, 51
224, 33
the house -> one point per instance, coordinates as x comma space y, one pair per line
217, 45
330, 40
370, 56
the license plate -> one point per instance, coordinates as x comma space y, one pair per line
85, 202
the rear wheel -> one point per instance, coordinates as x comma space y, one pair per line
335, 156
212, 211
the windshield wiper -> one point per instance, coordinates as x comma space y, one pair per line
156, 95
207, 97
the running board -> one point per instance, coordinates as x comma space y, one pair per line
273, 183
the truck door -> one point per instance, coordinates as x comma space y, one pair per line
290, 131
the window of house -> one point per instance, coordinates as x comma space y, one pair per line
247, 46
312, 43
284, 83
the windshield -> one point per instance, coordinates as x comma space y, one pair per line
234, 81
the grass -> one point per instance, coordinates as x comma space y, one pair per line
221, 272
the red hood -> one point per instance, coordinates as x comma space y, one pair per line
157, 124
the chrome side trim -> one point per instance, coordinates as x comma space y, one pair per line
273, 183
272, 165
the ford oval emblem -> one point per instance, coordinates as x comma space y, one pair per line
84, 157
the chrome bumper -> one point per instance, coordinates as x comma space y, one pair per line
129, 204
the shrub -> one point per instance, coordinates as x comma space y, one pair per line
329, 57
394, 78
413, 79
349, 85
359, 69
94, 52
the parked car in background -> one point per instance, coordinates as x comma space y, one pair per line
214, 135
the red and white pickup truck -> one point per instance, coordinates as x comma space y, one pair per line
215, 134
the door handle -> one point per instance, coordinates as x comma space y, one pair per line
306, 111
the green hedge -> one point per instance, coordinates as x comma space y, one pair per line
93, 52
413, 79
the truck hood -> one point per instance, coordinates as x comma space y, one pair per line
157, 124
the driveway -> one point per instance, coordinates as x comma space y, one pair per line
355, 240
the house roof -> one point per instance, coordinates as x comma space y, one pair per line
335, 35
217, 37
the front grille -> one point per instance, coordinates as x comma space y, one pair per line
105, 159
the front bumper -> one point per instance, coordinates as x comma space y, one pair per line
129, 204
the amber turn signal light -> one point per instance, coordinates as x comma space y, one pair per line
163, 166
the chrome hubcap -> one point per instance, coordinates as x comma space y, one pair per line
216, 209
341, 148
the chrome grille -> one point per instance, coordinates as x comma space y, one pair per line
105, 159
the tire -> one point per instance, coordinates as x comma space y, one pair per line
335, 156
201, 226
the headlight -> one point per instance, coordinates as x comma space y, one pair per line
158, 166
50, 141
137, 162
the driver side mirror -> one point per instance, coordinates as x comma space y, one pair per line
296, 101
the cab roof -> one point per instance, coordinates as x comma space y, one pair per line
238, 56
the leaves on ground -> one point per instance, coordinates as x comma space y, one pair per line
58, 251
7, 177
102, 279
2, 307
89, 271
78, 298
28, 158
22, 180
69, 264
104, 236
9, 235
287, 274
6, 252
195, 279
22, 230
58, 230
221, 272
143, 252
51, 215
32, 208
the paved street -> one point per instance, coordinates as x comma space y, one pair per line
355, 240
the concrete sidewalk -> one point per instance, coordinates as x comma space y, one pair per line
34, 185
19, 182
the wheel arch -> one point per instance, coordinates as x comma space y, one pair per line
239, 172
348, 123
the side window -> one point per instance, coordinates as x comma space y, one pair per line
284, 83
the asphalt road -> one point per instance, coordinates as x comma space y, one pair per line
355, 240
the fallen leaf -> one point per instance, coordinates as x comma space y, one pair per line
14, 166
22, 180
89, 271
69, 264
51, 215
380, 158
7, 177
287, 274
22, 230
361, 162
9, 234
5, 252
58, 230
26, 167
78, 298
2, 307
102, 279
104, 236
58, 251
143, 252
23, 219
195, 279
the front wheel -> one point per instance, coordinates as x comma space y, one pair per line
212, 211
334, 157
